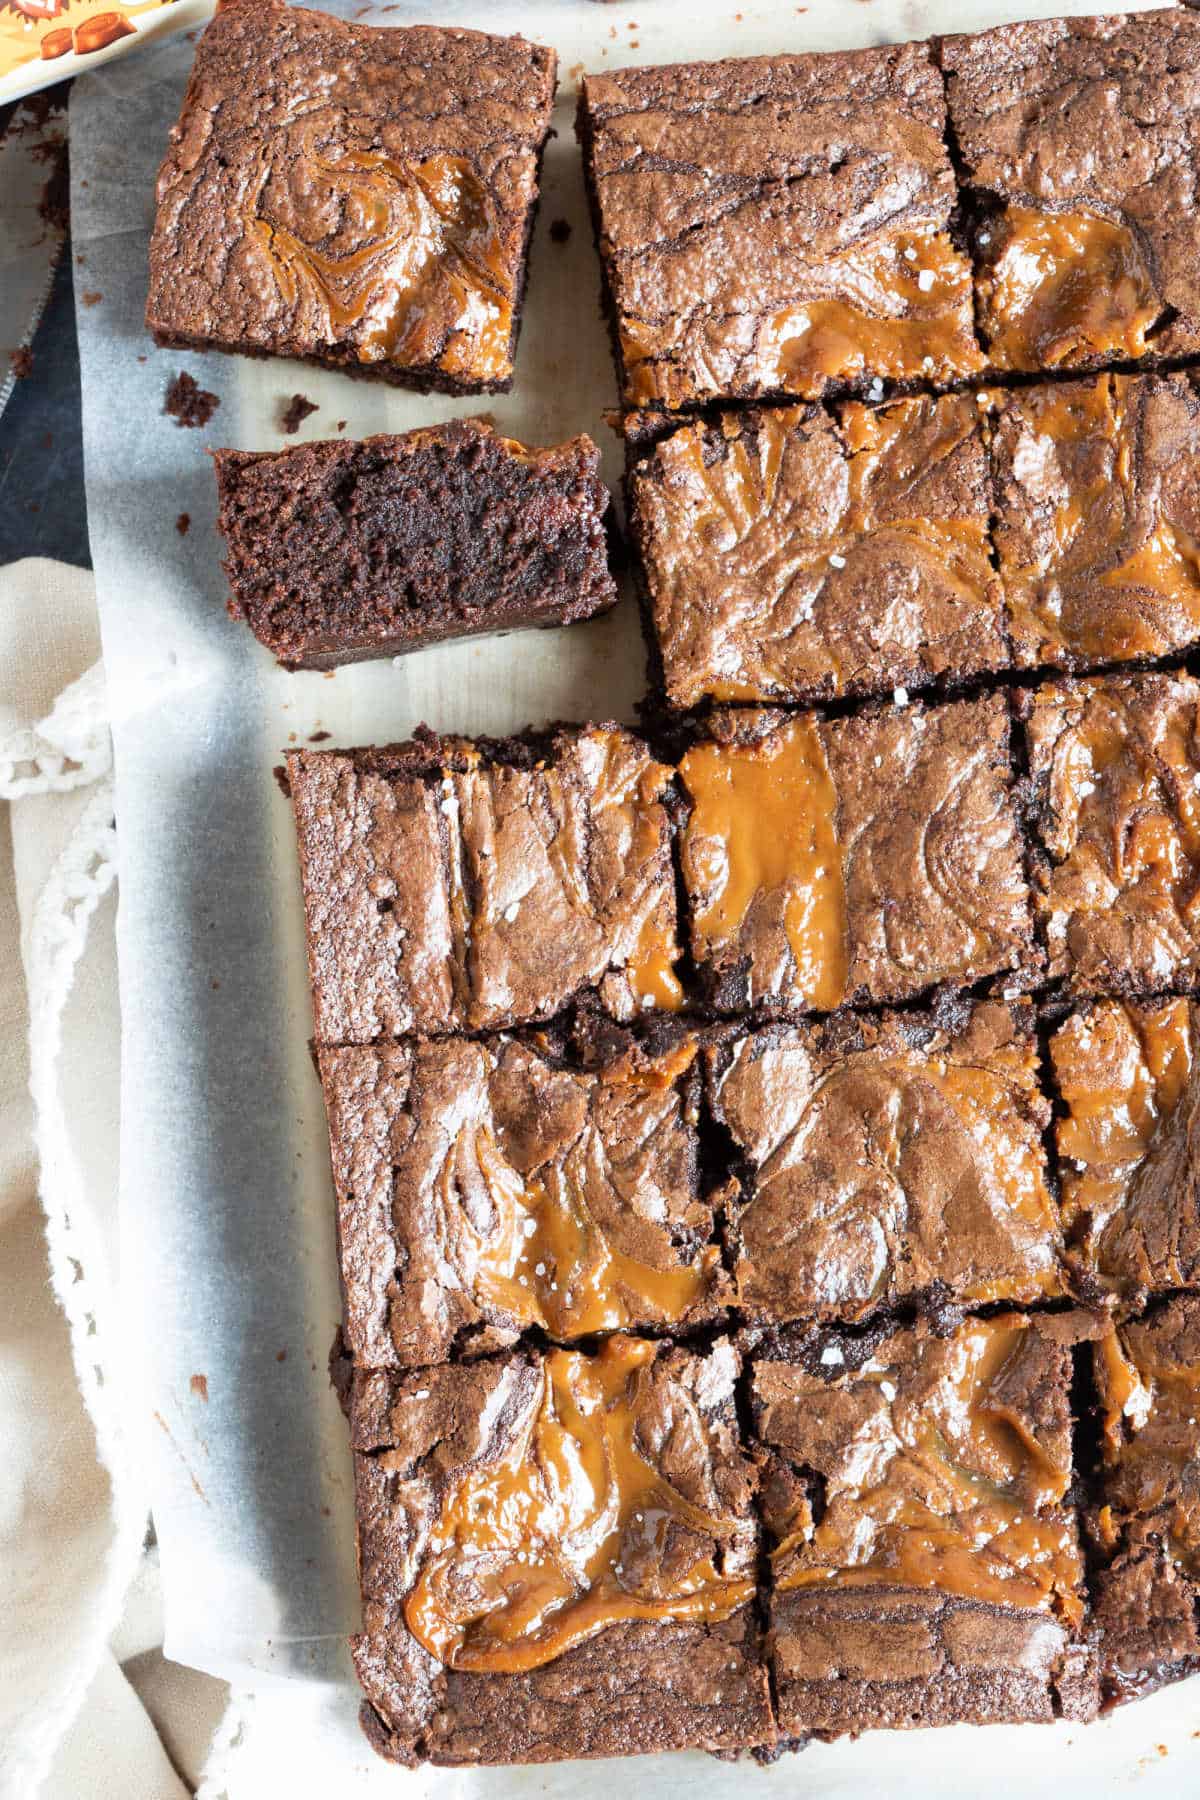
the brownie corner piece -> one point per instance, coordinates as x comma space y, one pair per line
791, 556
940, 1578
1129, 1089
338, 552
776, 225
1146, 1525
352, 195
451, 885
1115, 769
1079, 142
888, 1160
651, 1642
1097, 498
484, 1188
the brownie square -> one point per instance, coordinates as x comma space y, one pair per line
857, 860
1147, 1528
1130, 1092
1079, 143
484, 1189
1115, 764
790, 555
339, 552
1097, 526
454, 886
558, 1557
886, 1160
354, 196
926, 1567
778, 225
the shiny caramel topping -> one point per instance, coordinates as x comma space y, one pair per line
627, 803
943, 1484
763, 835
573, 1531
1149, 1378
423, 275
908, 315
1122, 1071
1063, 288
1111, 577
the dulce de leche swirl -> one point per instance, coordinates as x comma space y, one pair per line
1148, 1375
576, 1527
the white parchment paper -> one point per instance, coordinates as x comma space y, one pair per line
227, 1238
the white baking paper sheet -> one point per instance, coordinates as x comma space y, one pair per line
227, 1239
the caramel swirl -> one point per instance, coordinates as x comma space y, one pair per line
573, 1531
1064, 288
1149, 1379
763, 834
424, 279
948, 1484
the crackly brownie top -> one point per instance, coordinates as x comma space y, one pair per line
1098, 518
1130, 1085
778, 224
791, 555
338, 185
1115, 764
482, 1189
868, 858
512, 1510
1148, 1373
1088, 131
920, 1461
889, 1157
336, 546
449, 885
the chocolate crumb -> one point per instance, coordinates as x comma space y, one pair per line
560, 231
319, 737
281, 780
341, 424
199, 1385
182, 523
295, 413
22, 362
90, 297
188, 403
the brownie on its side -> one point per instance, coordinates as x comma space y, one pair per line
1080, 144
483, 1189
352, 195
343, 551
887, 1159
451, 885
1115, 764
858, 860
788, 555
1147, 1528
778, 225
1129, 1079
1097, 523
926, 1564
558, 1557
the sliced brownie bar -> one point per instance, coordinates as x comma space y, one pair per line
351, 195
558, 1557
778, 225
791, 555
926, 1565
343, 551
856, 860
1097, 526
450, 885
1115, 764
1129, 1080
1079, 140
483, 1188
886, 1159
1147, 1526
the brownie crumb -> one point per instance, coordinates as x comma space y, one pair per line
90, 297
199, 1385
341, 424
188, 403
22, 362
560, 231
296, 411
319, 737
183, 523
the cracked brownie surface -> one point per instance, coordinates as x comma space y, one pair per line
354, 195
